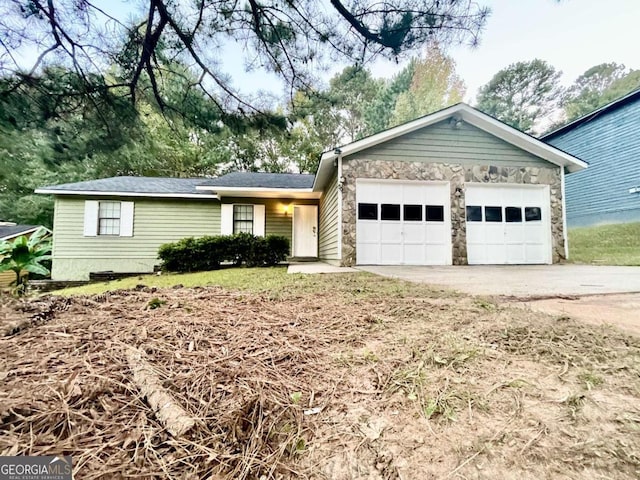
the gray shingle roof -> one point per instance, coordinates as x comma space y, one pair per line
262, 180
15, 230
133, 185
164, 185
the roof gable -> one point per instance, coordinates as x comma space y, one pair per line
465, 144
454, 114
609, 107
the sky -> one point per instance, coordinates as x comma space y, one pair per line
572, 35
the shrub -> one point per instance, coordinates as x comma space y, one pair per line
208, 253
277, 249
26, 255
240, 247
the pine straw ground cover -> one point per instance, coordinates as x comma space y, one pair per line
325, 377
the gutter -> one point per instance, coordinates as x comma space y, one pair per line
46, 191
565, 234
254, 189
340, 206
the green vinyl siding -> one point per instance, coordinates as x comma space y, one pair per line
156, 221
277, 221
441, 143
328, 231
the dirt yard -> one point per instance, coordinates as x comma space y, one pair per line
621, 310
348, 376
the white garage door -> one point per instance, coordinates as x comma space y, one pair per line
403, 223
508, 224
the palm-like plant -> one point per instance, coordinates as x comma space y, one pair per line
24, 255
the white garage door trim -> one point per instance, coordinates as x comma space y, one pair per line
403, 222
508, 224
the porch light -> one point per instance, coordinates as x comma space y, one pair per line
455, 122
287, 209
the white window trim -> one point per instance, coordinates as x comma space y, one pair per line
118, 218
253, 216
92, 218
259, 218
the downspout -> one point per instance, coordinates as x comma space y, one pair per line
564, 215
340, 206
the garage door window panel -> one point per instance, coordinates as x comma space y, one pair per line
434, 213
532, 214
390, 211
412, 213
367, 211
493, 214
474, 213
513, 214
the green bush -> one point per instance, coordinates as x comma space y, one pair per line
208, 253
277, 249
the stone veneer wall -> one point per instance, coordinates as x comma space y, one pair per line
457, 175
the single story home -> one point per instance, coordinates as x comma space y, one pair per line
608, 139
453, 187
8, 232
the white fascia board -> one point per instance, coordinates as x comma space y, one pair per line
252, 189
323, 174
125, 194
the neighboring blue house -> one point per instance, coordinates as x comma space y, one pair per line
608, 139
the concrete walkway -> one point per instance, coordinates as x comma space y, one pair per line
521, 280
317, 267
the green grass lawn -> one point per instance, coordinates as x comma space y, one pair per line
606, 244
251, 279
602, 245
275, 282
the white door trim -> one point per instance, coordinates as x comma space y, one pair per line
311, 237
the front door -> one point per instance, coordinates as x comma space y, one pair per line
305, 230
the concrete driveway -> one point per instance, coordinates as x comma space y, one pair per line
593, 294
521, 280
